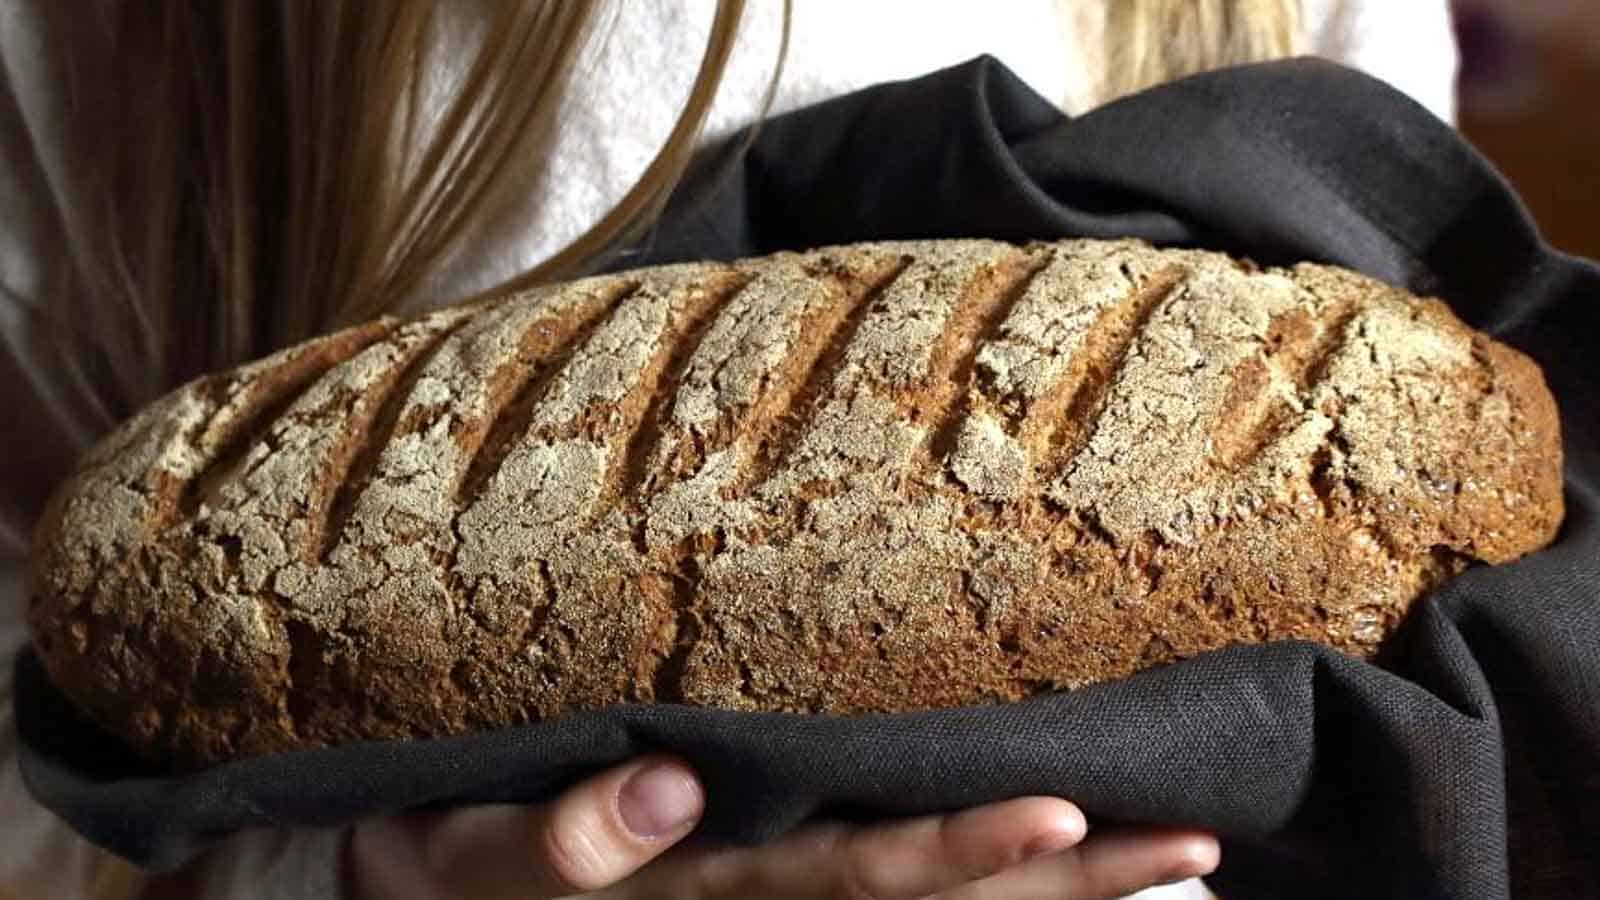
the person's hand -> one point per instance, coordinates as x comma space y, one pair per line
606, 839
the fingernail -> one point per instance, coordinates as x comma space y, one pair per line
658, 800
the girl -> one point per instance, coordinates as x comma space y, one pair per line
187, 185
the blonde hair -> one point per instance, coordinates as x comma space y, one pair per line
1152, 41
256, 176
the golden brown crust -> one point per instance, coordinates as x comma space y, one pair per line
876, 477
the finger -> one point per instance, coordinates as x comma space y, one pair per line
929, 854
1106, 865
896, 861
595, 834
602, 830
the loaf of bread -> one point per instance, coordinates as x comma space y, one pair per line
876, 477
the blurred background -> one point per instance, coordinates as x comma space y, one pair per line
1530, 100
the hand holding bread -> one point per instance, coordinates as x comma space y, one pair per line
600, 841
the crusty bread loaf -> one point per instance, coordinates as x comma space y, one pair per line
878, 477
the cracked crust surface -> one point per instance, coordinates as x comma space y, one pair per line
876, 477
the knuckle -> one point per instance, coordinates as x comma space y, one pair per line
958, 854
572, 856
860, 875
715, 874
852, 887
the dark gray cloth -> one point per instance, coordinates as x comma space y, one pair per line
1467, 765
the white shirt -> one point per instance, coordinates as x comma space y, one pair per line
612, 126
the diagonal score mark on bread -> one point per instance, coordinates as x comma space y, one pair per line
294, 473
571, 455
1040, 382
747, 388
879, 477
893, 387
1156, 411
152, 468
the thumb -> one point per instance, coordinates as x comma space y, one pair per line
604, 829
597, 833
